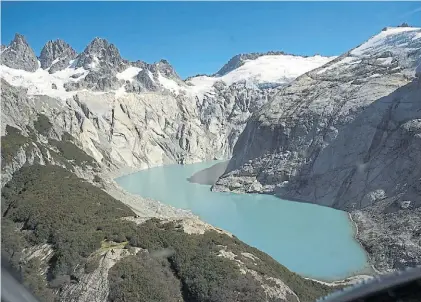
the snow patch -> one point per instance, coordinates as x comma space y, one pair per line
94, 63
129, 73
168, 83
55, 61
40, 82
151, 75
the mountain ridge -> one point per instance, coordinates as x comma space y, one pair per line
84, 59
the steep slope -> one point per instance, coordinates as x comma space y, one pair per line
56, 55
19, 55
135, 114
346, 135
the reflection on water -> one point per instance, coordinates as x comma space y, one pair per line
311, 240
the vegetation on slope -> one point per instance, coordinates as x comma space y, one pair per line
143, 278
48, 204
54, 206
67, 150
11, 143
42, 124
63, 152
206, 276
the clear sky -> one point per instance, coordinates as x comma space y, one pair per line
199, 37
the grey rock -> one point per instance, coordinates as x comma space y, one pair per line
54, 86
56, 55
148, 78
166, 70
19, 55
76, 75
390, 234
100, 54
145, 80
97, 80
346, 135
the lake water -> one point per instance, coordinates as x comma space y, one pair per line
311, 240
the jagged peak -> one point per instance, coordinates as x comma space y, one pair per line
19, 38
19, 55
97, 44
101, 53
56, 52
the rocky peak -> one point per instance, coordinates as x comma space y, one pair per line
19, 55
56, 55
165, 68
139, 63
101, 54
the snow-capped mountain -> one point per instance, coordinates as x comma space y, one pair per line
346, 135
260, 70
139, 114
101, 68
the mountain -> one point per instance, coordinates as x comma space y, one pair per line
19, 55
70, 123
56, 55
346, 135
260, 69
141, 114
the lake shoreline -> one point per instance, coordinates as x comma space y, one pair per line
356, 233
208, 176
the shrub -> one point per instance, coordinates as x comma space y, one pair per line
70, 151
42, 124
11, 143
142, 278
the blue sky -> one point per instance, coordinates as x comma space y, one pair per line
199, 37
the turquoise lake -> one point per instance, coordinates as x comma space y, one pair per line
312, 240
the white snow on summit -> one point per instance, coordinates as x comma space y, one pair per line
388, 40
279, 69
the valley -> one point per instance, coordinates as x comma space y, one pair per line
312, 141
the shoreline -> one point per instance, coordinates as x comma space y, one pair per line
369, 260
352, 279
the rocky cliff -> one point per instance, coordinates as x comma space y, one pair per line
346, 135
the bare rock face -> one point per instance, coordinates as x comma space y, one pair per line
19, 55
348, 136
100, 54
326, 137
56, 55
